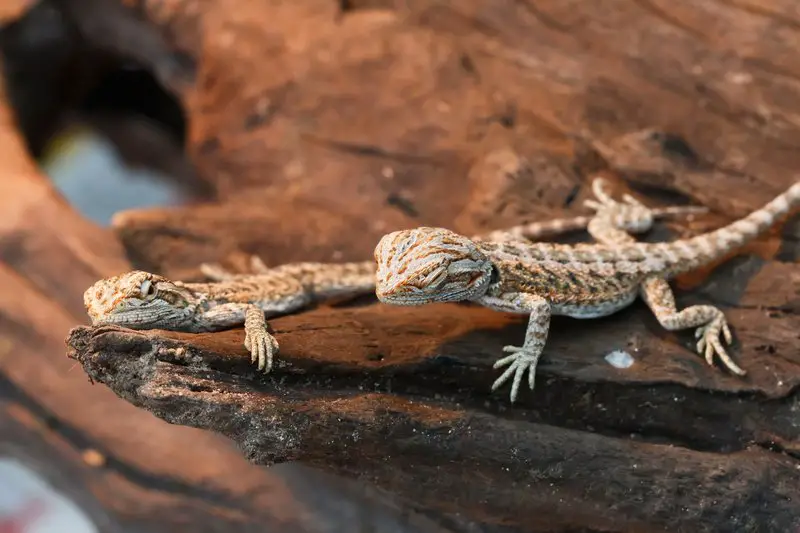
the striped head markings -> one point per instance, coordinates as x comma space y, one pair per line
424, 265
138, 300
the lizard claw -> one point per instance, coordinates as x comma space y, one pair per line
709, 343
262, 347
522, 359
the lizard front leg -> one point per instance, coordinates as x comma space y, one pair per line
259, 342
523, 358
659, 298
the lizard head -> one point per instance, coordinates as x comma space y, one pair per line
139, 300
425, 265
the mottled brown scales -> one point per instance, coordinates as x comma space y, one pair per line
586, 280
561, 285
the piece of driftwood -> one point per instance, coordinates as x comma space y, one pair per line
399, 398
322, 125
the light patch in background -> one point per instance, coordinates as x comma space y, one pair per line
28, 504
87, 170
620, 359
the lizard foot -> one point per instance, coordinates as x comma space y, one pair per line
630, 214
522, 359
262, 347
709, 343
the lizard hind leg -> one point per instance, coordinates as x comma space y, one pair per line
616, 220
216, 272
709, 321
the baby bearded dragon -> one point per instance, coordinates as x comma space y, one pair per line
425, 265
140, 300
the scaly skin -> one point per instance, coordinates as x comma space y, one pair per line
425, 265
141, 300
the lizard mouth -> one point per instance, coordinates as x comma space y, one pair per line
392, 294
123, 319
399, 299
386, 294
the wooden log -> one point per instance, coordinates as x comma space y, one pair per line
321, 126
360, 400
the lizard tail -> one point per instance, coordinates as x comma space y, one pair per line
691, 253
536, 230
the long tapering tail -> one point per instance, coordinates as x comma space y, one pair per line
685, 255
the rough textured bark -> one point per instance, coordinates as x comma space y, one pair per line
322, 125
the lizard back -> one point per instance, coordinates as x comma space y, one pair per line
636, 260
573, 284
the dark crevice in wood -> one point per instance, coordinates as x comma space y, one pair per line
79, 440
367, 150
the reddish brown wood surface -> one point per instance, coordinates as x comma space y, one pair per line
322, 125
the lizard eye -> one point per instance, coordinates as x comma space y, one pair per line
439, 279
147, 289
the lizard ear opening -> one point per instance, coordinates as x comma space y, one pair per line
494, 277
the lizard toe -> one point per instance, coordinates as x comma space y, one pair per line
710, 345
260, 354
521, 361
726, 332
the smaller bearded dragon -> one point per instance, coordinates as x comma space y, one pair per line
142, 300
586, 280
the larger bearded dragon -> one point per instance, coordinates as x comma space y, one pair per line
425, 265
